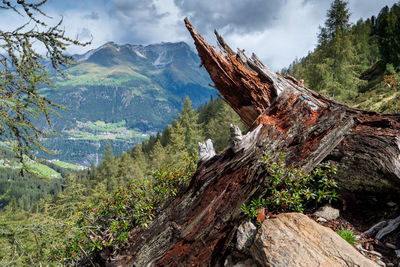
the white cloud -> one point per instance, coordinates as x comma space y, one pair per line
277, 31
294, 34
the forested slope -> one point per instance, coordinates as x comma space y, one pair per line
53, 229
96, 210
355, 64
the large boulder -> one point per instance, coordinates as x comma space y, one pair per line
293, 239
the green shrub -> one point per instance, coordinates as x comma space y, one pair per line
291, 190
108, 225
347, 235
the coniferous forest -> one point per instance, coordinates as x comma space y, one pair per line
355, 64
39, 217
69, 220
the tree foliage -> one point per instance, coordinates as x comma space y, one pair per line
388, 32
346, 60
22, 72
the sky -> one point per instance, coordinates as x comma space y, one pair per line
278, 31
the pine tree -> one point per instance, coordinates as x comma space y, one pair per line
365, 44
126, 169
330, 69
140, 162
158, 156
108, 153
108, 169
338, 17
177, 149
388, 32
188, 119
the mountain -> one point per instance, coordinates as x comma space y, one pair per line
122, 94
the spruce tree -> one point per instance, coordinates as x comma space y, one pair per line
388, 32
218, 128
158, 156
188, 119
335, 55
177, 149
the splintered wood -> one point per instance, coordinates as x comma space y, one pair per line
196, 228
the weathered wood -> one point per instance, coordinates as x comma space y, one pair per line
375, 228
367, 144
283, 116
206, 150
390, 227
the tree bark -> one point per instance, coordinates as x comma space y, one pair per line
283, 116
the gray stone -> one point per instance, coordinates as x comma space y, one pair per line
245, 235
320, 219
228, 261
327, 212
293, 239
246, 263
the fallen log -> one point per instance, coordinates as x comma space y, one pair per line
367, 144
283, 116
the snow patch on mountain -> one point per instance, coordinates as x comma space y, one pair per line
138, 53
162, 59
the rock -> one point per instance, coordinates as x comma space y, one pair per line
245, 263
320, 219
391, 204
228, 261
327, 212
292, 239
245, 235
398, 253
381, 263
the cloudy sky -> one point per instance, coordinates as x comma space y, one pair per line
278, 31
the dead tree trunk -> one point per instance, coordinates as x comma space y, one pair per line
283, 116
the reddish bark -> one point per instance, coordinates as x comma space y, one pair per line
283, 116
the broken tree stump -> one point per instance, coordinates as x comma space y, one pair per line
367, 147
283, 116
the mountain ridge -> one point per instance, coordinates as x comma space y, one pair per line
141, 87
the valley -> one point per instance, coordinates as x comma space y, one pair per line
121, 94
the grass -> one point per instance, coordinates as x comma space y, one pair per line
43, 170
93, 74
66, 165
347, 235
36, 167
100, 130
103, 126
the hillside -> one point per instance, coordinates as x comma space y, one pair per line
163, 204
122, 94
357, 64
